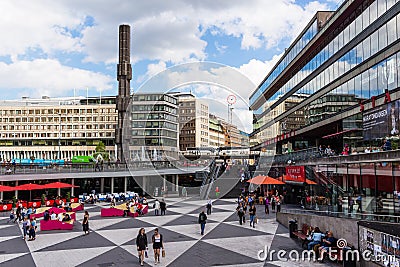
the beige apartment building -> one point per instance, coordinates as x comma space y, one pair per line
193, 122
56, 128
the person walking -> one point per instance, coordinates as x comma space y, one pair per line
157, 207
209, 206
252, 213
32, 229
141, 243
273, 202
25, 227
202, 221
163, 206
85, 223
240, 213
157, 240
266, 203
278, 203
359, 203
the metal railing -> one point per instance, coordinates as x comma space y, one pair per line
347, 215
9, 169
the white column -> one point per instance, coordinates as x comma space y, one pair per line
16, 191
112, 185
144, 183
177, 183
72, 188
164, 182
125, 184
1, 193
59, 190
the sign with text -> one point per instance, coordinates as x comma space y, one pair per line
381, 121
295, 173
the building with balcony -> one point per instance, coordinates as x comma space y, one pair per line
56, 128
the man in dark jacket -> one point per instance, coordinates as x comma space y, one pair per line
202, 221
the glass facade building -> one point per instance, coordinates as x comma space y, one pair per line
346, 66
154, 126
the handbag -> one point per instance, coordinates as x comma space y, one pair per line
163, 253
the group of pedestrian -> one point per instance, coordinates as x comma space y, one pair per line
159, 207
142, 246
275, 201
243, 203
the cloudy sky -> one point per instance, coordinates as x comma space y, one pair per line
53, 47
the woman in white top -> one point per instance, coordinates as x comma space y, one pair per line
157, 241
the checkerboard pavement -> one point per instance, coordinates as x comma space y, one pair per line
112, 240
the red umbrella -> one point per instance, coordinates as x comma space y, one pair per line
59, 185
4, 188
29, 187
260, 179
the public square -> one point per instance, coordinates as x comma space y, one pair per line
112, 240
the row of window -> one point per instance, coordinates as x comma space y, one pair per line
8, 112
153, 116
56, 120
56, 135
301, 43
55, 127
156, 107
374, 43
155, 132
154, 124
154, 142
369, 15
155, 97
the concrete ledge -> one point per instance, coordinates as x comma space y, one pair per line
340, 227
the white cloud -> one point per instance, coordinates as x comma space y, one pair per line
167, 32
48, 77
256, 70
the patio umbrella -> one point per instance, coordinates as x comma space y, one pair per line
309, 182
30, 187
260, 179
58, 185
4, 188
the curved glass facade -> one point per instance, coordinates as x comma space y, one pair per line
371, 82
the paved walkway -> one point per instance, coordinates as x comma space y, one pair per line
112, 240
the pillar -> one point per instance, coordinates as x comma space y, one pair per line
102, 185
144, 184
72, 188
112, 185
125, 184
177, 183
59, 189
16, 191
1, 193
165, 183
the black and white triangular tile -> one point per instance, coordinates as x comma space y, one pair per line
112, 240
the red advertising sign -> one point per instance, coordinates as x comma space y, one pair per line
5, 207
295, 173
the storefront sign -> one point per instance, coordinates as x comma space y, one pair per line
295, 173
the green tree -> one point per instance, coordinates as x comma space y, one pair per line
101, 147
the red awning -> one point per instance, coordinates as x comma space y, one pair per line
342, 132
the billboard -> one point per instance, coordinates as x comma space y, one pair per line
295, 173
381, 121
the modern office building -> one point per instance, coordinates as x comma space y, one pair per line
193, 121
154, 121
345, 64
56, 128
